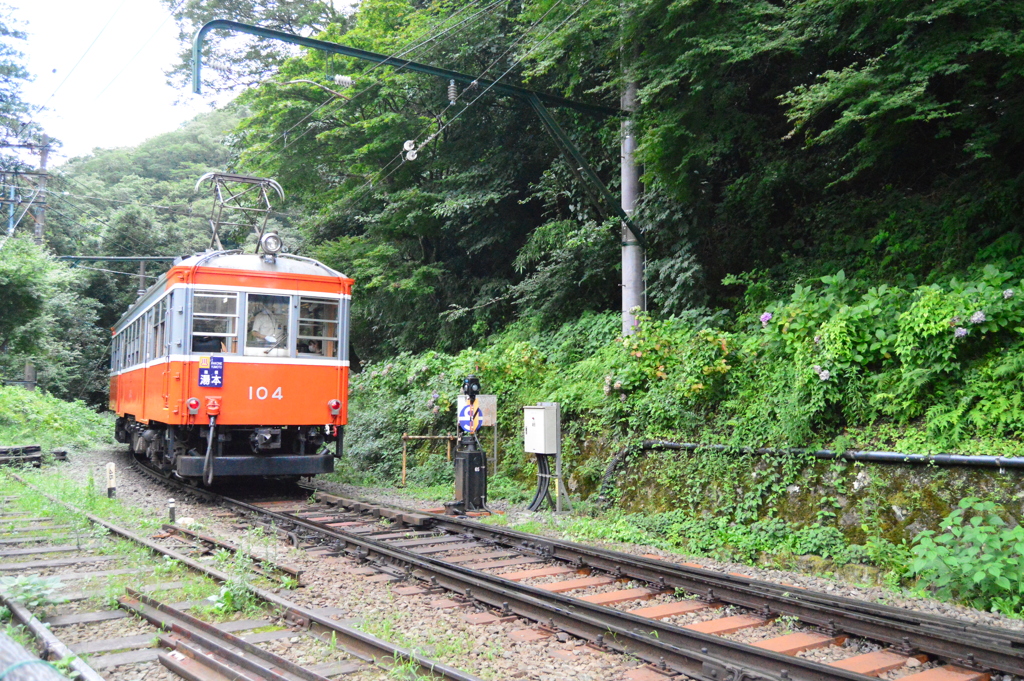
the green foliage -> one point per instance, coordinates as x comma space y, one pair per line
36, 418
977, 558
15, 113
31, 591
435, 470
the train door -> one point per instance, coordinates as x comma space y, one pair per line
161, 350
149, 407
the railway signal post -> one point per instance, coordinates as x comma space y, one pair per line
470, 459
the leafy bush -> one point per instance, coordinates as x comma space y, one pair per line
977, 558
30, 590
436, 470
37, 418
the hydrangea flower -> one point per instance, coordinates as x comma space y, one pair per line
825, 375
1007, 294
618, 384
959, 332
765, 318
978, 317
817, 369
817, 340
622, 397
434, 395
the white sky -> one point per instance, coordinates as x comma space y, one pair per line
93, 108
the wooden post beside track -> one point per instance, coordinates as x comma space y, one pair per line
405, 453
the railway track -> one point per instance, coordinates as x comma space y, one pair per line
680, 619
165, 632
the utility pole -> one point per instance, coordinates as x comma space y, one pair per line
39, 214
632, 251
39, 210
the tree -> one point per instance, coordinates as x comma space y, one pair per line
231, 61
46, 319
15, 113
23, 280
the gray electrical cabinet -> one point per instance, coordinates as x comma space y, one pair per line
540, 429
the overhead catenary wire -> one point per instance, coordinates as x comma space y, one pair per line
398, 68
403, 158
129, 62
134, 240
403, 51
127, 274
507, 71
77, 63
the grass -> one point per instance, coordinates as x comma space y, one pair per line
37, 418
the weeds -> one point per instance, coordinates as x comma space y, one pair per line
31, 591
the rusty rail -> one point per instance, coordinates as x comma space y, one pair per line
357, 643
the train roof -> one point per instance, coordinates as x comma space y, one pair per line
283, 263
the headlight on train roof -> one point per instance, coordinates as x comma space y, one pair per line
271, 243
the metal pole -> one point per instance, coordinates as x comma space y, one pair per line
405, 452
632, 251
494, 458
142, 277
558, 459
10, 212
39, 211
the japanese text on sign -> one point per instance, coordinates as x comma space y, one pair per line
211, 372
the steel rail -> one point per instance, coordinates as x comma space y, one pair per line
355, 642
672, 647
944, 637
52, 647
700, 656
965, 643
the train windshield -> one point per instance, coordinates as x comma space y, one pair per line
318, 328
267, 325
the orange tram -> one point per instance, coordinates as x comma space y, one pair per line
235, 365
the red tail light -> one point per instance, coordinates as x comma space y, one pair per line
193, 405
334, 406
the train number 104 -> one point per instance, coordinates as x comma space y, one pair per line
262, 393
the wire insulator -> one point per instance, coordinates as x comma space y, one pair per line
453, 92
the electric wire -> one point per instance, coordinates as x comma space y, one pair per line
127, 274
128, 63
507, 71
405, 50
95, 231
77, 63
398, 68
403, 159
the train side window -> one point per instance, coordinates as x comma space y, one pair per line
215, 322
159, 332
267, 325
318, 328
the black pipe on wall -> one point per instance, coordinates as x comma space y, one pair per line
856, 455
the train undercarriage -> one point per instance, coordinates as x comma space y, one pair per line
276, 452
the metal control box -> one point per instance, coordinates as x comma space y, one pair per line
540, 429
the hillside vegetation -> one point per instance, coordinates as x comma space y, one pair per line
831, 201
